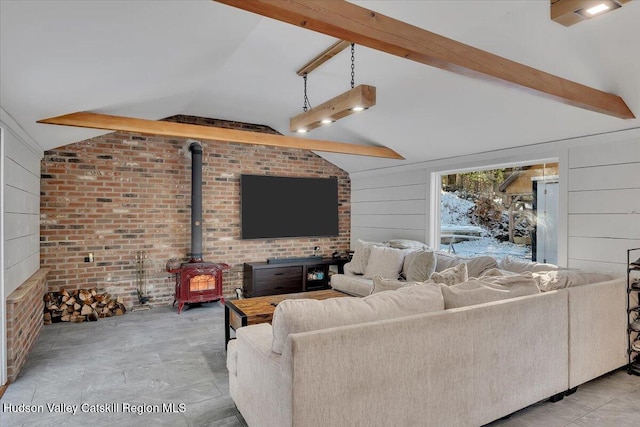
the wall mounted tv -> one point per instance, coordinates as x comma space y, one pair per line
281, 207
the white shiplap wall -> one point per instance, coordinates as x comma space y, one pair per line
21, 206
389, 205
20, 218
604, 205
599, 197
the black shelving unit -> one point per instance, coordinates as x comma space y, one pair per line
633, 310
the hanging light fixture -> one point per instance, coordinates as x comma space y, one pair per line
570, 12
353, 101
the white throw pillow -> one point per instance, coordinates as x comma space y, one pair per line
475, 265
451, 276
421, 266
387, 262
520, 266
302, 315
358, 262
381, 284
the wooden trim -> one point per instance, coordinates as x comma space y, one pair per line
323, 57
3, 388
335, 108
365, 27
182, 130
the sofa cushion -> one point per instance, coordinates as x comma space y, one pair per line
361, 255
560, 279
475, 265
496, 272
352, 285
420, 265
520, 266
451, 276
303, 315
387, 262
476, 291
405, 244
381, 284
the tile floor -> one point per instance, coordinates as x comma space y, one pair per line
148, 359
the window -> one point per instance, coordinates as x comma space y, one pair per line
506, 211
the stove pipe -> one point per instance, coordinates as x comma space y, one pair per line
196, 202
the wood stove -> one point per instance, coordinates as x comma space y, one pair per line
197, 281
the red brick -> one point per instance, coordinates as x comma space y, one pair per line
149, 209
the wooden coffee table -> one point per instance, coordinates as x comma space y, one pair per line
251, 311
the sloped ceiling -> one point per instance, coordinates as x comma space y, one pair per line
153, 59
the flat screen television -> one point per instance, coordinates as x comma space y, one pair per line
281, 207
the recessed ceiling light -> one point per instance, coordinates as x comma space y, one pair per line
302, 131
358, 109
597, 9
326, 121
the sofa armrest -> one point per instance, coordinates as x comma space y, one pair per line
259, 373
347, 270
597, 330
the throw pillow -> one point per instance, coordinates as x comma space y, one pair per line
387, 262
421, 266
361, 254
408, 258
478, 265
380, 284
304, 315
451, 276
520, 266
475, 265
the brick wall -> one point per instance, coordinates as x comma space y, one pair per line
119, 193
24, 320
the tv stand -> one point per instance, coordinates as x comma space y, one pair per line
288, 275
276, 260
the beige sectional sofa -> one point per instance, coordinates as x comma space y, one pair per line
403, 358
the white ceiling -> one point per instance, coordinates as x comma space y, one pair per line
153, 59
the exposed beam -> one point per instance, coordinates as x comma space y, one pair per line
182, 130
323, 57
365, 27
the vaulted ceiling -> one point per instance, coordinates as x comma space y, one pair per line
154, 59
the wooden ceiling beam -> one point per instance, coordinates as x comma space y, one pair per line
182, 130
323, 57
365, 27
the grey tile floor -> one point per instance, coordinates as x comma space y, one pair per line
147, 358
152, 358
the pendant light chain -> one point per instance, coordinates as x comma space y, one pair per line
307, 104
353, 65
